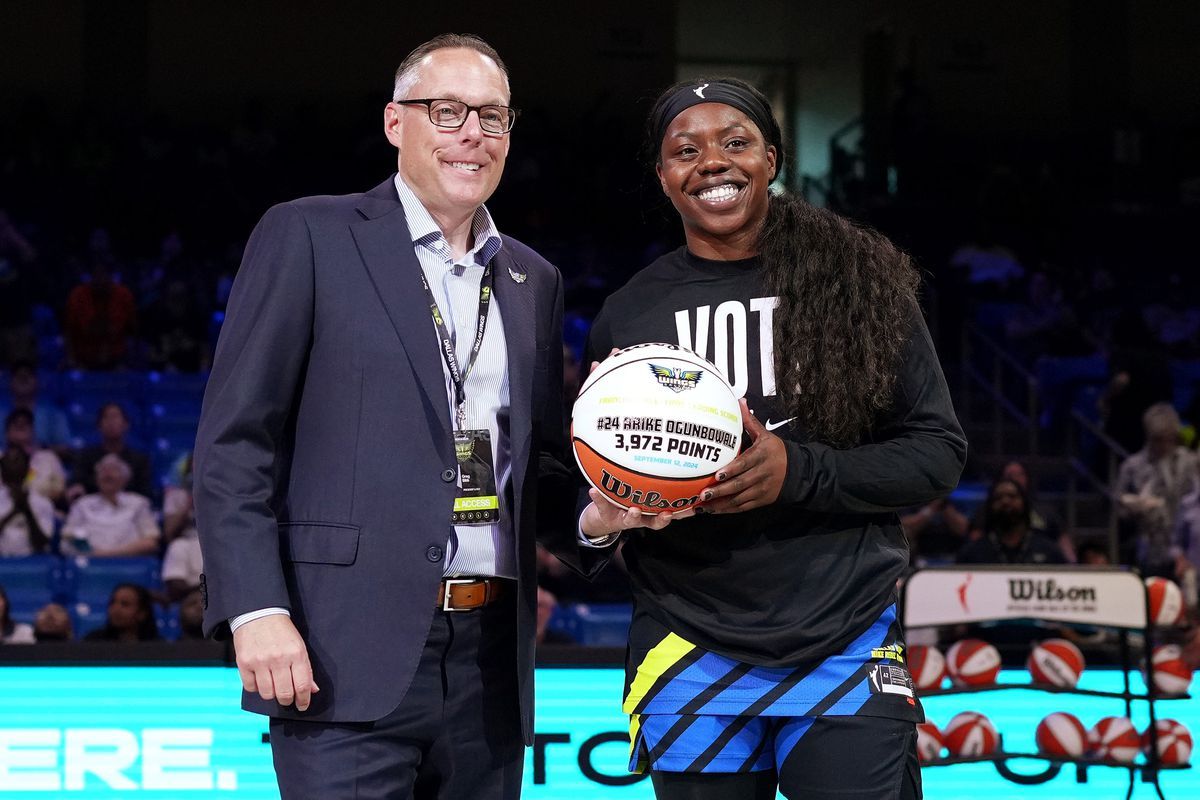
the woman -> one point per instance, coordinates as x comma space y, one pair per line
764, 651
26, 518
12, 632
130, 617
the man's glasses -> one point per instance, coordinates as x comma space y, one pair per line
453, 115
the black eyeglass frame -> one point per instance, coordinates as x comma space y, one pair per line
429, 101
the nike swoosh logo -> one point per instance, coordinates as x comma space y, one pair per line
773, 425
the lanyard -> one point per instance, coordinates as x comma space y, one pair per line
457, 374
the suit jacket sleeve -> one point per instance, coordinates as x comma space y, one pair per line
248, 404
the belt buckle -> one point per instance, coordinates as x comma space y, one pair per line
448, 582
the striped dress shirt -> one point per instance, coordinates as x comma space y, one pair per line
485, 550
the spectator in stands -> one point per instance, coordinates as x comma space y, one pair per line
1008, 537
52, 624
935, 530
1150, 489
50, 426
1041, 520
130, 617
1093, 554
111, 522
100, 319
547, 602
17, 257
113, 424
46, 474
182, 563
176, 331
191, 616
26, 518
12, 632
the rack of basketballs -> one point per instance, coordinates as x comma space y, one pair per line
1055, 665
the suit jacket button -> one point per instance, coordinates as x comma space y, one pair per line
449, 475
434, 553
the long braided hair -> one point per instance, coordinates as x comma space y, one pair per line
847, 298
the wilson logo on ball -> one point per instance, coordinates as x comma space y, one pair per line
623, 491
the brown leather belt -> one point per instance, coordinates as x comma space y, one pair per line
465, 594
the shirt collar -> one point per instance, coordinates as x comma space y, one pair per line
426, 233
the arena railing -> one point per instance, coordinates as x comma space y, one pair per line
1113, 454
1004, 368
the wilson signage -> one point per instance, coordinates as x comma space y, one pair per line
1084, 595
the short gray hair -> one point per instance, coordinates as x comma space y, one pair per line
114, 460
409, 71
1161, 418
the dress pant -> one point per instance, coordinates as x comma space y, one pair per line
456, 735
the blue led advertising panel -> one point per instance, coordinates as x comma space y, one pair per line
176, 733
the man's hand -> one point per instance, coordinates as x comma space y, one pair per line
273, 661
603, 517
754, 478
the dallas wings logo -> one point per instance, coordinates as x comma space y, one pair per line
675, 378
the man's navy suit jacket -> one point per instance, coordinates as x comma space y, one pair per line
325, 468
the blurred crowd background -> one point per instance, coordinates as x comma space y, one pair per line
1040, 160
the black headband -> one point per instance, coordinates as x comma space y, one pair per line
716, 91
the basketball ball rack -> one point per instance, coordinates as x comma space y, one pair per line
1099, 597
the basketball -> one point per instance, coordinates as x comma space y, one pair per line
652, 425
1063, 735
927, 666
971, 734
1057, 662
1166, 602
1172, 675
1114, 739
1174, 742
972, 662
929, 742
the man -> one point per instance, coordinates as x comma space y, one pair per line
1153, 486
111, 522
352, 409
112, 423
1008, 535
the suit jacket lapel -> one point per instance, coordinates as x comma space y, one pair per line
518, 310
385, 244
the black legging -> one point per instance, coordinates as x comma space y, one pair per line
715, 785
